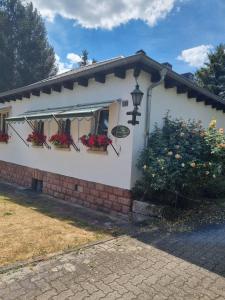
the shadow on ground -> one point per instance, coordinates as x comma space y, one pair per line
54, 208
204, 247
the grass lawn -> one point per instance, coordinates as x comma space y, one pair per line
33, 226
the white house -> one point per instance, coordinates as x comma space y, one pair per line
94, 99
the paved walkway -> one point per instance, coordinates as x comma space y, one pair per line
151, 266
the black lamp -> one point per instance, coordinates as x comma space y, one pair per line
137, 96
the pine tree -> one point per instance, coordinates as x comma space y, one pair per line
84, 57
25, 54
212, 75
6, 53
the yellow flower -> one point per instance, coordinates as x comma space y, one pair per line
202, 134
193, 164
221, 145
212, 124
178, 156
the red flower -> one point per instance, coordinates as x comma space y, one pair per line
4, 137
36, 138
91, 140
84, 140
61, 139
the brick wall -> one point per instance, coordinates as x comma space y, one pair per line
89, 194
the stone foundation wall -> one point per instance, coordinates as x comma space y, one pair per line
89, 194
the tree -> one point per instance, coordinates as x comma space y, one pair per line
25, 53
212, 75
85, 60
84, 57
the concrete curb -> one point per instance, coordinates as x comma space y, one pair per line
34, 261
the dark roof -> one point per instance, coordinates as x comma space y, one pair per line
118, 66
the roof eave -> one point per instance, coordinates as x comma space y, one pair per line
108, 68
139, 61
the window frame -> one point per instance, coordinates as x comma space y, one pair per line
64, 126
98, 119
4, 113
39, 127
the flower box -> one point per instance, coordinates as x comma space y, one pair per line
4, 138
93, 148
36, 139
62, 147
96, 143
37, 146
61, 141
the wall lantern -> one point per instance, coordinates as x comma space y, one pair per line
137, 96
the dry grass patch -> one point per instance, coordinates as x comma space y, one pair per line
32, 227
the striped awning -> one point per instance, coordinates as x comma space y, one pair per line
79, 110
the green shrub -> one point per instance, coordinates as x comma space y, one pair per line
171, 213
181, 158
215, 188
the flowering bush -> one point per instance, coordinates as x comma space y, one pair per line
215, 139
61, 140
181, 158
4, 137
37, 139
98, 141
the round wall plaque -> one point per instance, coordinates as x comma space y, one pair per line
120, 131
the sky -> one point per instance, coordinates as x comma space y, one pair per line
180, 32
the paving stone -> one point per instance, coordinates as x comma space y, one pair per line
175, 266
47, 295
90, 288
63, 295
58, 285
104, 287
80, 295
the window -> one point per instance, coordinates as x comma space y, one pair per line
64, 126
3, 124
39, 127
37, 185
103, 122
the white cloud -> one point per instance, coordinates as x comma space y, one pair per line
62, 66
197, 56
74, 58
72, 61
105, 13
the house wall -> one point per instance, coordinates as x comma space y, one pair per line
105, 169
73, 190
103, 180
95, 173
178, 106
